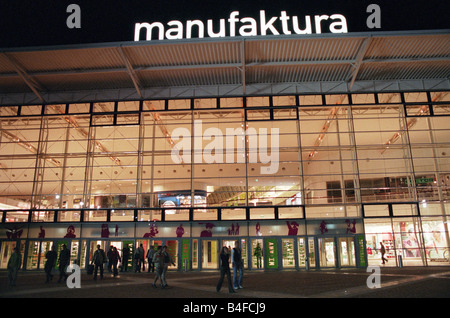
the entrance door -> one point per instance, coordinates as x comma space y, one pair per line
172, 249
327, 252
271, 253
288, 252
45, 247
257, 254
210, 254
33, 254
7, 250
347, 251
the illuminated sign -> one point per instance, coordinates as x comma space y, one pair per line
246, 26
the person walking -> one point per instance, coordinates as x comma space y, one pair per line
115, 259
125, 258
238, 266
224, 261
98, 259
139, 256
50, 263
158, 260
64, 262
167, 262
109, 255
14, 263
258, 254
150, 253
383, 251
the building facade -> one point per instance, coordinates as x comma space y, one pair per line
308, 153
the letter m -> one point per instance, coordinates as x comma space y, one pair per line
149, 28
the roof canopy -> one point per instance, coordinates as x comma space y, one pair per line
242, 62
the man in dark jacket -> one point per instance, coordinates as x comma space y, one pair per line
98, 259
50, 263
64, 261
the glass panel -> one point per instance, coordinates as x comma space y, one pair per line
42, 216
347, 251
31, 110
436, 244
128, 106
327, 252
295, 212
271, 254
210, 253
244, 251
231, 102
45, 247
363, 98
408, 241
301, 252
172, 249
257, 254
205, 103
376, 210
79, 108
7, 250
74, 248
17, 216
288, 253
195, 254
205, 214
179, 104
33, 255
404, 209
69, 216
122, 215
233, 214
379, 232
310, 100
185, 259
83, 254
258, 114
284, 100
258, 101
103, 107
9, 110
311, 252
262, 213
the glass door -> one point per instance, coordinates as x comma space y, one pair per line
271, 253
45, 247
311, 252
59, 247
288, 252
7, 250
257, 254
33, 255
347, 251
327, 252
172, 249
194, 254
301, 242
210, 253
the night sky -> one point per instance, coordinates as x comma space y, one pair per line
39, 23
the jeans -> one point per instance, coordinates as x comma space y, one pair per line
224, 271
97, 266
237, 280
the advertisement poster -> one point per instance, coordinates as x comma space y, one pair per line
271, 255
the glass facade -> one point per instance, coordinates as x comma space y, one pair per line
341, 173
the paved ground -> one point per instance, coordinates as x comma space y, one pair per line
276, 288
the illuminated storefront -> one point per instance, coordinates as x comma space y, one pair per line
306, 163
